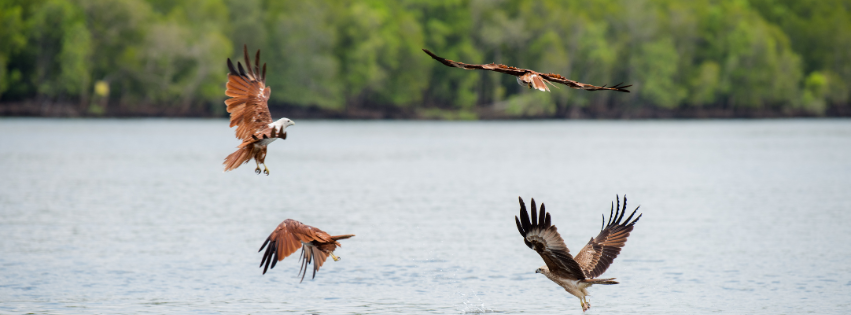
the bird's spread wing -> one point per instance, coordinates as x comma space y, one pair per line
248, 97
552, 77
287, 238
491, 66
530, 76
540, 235
599, 253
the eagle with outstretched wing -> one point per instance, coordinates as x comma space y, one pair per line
530, 78
575, 274
249, 112
316, 246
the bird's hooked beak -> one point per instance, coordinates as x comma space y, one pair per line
538, 270
291, 123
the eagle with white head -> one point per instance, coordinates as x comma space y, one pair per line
575, 274
249, 112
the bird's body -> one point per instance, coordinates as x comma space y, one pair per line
577, 274
529, 78
575, 287
249, 112
315, 244
279, 126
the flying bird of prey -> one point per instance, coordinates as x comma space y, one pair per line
529, 78
575, 274
316, 246
250, 114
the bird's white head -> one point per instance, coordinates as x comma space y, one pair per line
282, 124
543, 269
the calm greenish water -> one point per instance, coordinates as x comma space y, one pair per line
136, 216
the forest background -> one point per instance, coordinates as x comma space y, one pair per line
363, 59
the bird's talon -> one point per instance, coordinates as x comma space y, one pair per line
257, 171
266, 172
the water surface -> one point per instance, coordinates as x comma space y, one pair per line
136, 216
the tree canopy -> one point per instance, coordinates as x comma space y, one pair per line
683, 58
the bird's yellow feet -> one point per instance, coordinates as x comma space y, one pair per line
335, 257
265, 170
257, 170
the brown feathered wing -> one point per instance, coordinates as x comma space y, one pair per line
531, 76
248, 94
292, 234
492, 66
601, 251
539, 234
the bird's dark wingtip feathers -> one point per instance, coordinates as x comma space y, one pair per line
622, 88
247, 60
264, 243
623, 210
268, 261
519, 226
534, 215
636, 219
274, 261
611, 214
628, 223
617, 213
630, 217
524, 218
231, 68
241, 70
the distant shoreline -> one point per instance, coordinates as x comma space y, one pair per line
30, 109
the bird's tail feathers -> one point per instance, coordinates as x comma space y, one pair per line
241, 156
538, 83
601, 281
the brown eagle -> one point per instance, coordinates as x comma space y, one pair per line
575, 274
316, 246
250, 114
530, 78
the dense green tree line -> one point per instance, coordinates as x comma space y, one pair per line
165, 57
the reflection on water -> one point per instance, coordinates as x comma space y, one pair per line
136, 216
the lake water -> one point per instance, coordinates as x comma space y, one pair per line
136, 216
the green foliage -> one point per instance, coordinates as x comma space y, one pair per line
656, 69
61, 44
303, 68
168, 57
13, 39
815, 88
820, 32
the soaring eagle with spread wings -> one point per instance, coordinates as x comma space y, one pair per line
575, 274
316, 246
250, 114
530, 78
